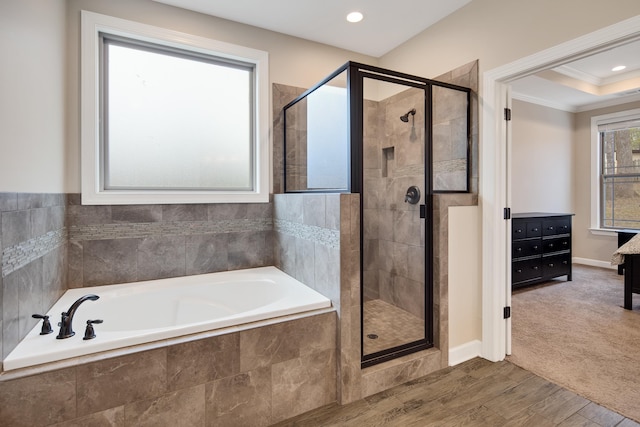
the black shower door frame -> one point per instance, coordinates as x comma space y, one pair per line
356, 73
357, 76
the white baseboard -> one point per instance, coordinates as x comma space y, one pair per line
594, 263
465, 352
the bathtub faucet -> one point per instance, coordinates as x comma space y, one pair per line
66, 329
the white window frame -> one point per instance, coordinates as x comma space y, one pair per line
92, 194
596, 162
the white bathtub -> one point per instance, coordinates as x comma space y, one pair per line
142, 312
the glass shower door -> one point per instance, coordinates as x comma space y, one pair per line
396, 236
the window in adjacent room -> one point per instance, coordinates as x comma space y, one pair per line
170, 117
619, 170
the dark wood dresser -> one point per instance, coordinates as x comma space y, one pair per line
540, 247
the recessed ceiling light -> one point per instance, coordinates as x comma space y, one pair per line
619, 68
354, 17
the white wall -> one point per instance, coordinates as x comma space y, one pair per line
465, 296
541, 159
32, 96
586, 245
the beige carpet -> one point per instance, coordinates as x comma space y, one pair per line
577, 335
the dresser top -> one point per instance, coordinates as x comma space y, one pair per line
538, 214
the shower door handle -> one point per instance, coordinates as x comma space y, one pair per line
423, 211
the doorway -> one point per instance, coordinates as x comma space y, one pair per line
496, 175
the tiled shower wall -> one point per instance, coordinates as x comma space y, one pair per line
393, 230
307, 240
33, 240
281, 96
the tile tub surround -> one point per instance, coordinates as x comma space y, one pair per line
317, 242
33, 243
119, 244
254, 377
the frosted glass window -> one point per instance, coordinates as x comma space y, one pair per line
327, 139
175, 119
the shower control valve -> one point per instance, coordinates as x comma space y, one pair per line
413, 195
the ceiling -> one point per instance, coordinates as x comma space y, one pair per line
386, 24
586, 83
576, 86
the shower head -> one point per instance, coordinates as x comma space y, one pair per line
405, 118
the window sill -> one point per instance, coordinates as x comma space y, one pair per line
607, 232
144, 198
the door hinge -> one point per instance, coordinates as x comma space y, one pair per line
507, 213
507, 114
507, 312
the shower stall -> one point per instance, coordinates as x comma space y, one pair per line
396, 139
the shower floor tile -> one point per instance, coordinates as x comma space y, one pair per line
393, 326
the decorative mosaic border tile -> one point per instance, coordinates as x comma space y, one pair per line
453, 165
174, 228
409, 170
21, 254
324, 236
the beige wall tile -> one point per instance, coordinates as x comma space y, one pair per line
38, 400
201, 361
181, 408
114, 382
265, 346
302, 384
384, 376
241, 400
113, 417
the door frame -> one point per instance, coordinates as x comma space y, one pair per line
495, 172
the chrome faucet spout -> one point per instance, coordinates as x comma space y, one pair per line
66, 323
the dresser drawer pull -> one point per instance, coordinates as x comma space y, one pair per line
551, 227
519, 249
535, 268
535, 229
535, 248
565, 262
519, 230
550, 245
519, 270
551, 265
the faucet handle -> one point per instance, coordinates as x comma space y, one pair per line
89, 332
46, 325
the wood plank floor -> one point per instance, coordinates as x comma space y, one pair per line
474, 393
